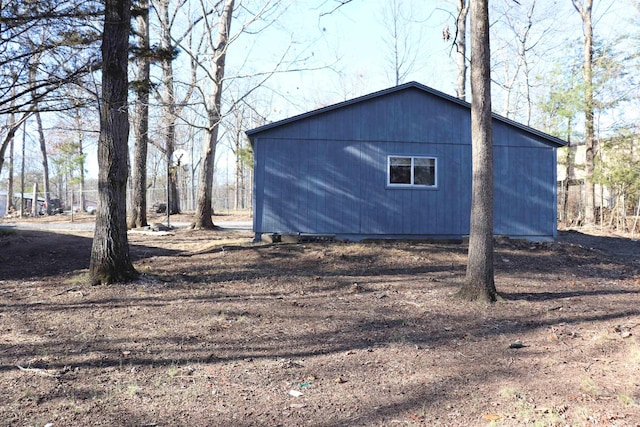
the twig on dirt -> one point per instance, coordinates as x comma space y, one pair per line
72, 289
40, 371
464, 355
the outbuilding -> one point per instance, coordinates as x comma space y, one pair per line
397, 164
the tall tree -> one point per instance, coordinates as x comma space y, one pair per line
204, 211
460, 43
110, 260
167, 93
563, 103
10, 191
80, 158
167, 54
519, 20
585, 8
142, 87
400, 40
33, 72
479, 281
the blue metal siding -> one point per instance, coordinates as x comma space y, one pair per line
327, 173
340, 188
524, 191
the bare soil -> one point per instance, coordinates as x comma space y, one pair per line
220, 331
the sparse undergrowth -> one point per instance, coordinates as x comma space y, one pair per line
219, 332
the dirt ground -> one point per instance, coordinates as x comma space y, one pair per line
219, 331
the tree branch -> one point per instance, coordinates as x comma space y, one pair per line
338, 6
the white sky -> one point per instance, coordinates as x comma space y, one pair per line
355, 35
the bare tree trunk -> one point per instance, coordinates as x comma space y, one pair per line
43, 146
635, 220
461, 49
138, 215
238, 172
34, 200
168, 102
10, 206
81, 155
110, 261
479, 282
569, 169
45, 163
204, 212
24, 143
172, 109
584, 9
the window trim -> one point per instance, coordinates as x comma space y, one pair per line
412, 185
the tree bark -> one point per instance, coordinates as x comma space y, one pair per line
138, 215
43, 146
10, 206
479, 282
82, 161
169, 113
238, 172
461, 49
204, 212
569, 169
584, 9
45, 162
10, 191
110, 261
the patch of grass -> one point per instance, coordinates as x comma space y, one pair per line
222, 316
634, 355
27, 394
509, 393
132, 390
588, 386
626, 399
78, 280
173, 370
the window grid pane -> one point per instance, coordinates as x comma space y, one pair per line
412, 171
424, 172
400, 170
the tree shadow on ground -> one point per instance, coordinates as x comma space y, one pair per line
32, 254
248, 314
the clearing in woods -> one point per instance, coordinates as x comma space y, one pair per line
219, 331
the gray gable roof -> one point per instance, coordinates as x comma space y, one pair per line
552, 140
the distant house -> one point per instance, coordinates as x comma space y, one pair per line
397, 164
572, 187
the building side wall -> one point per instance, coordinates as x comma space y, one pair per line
331, 187
326, 174
335, 187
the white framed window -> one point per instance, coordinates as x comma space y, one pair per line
412, 171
